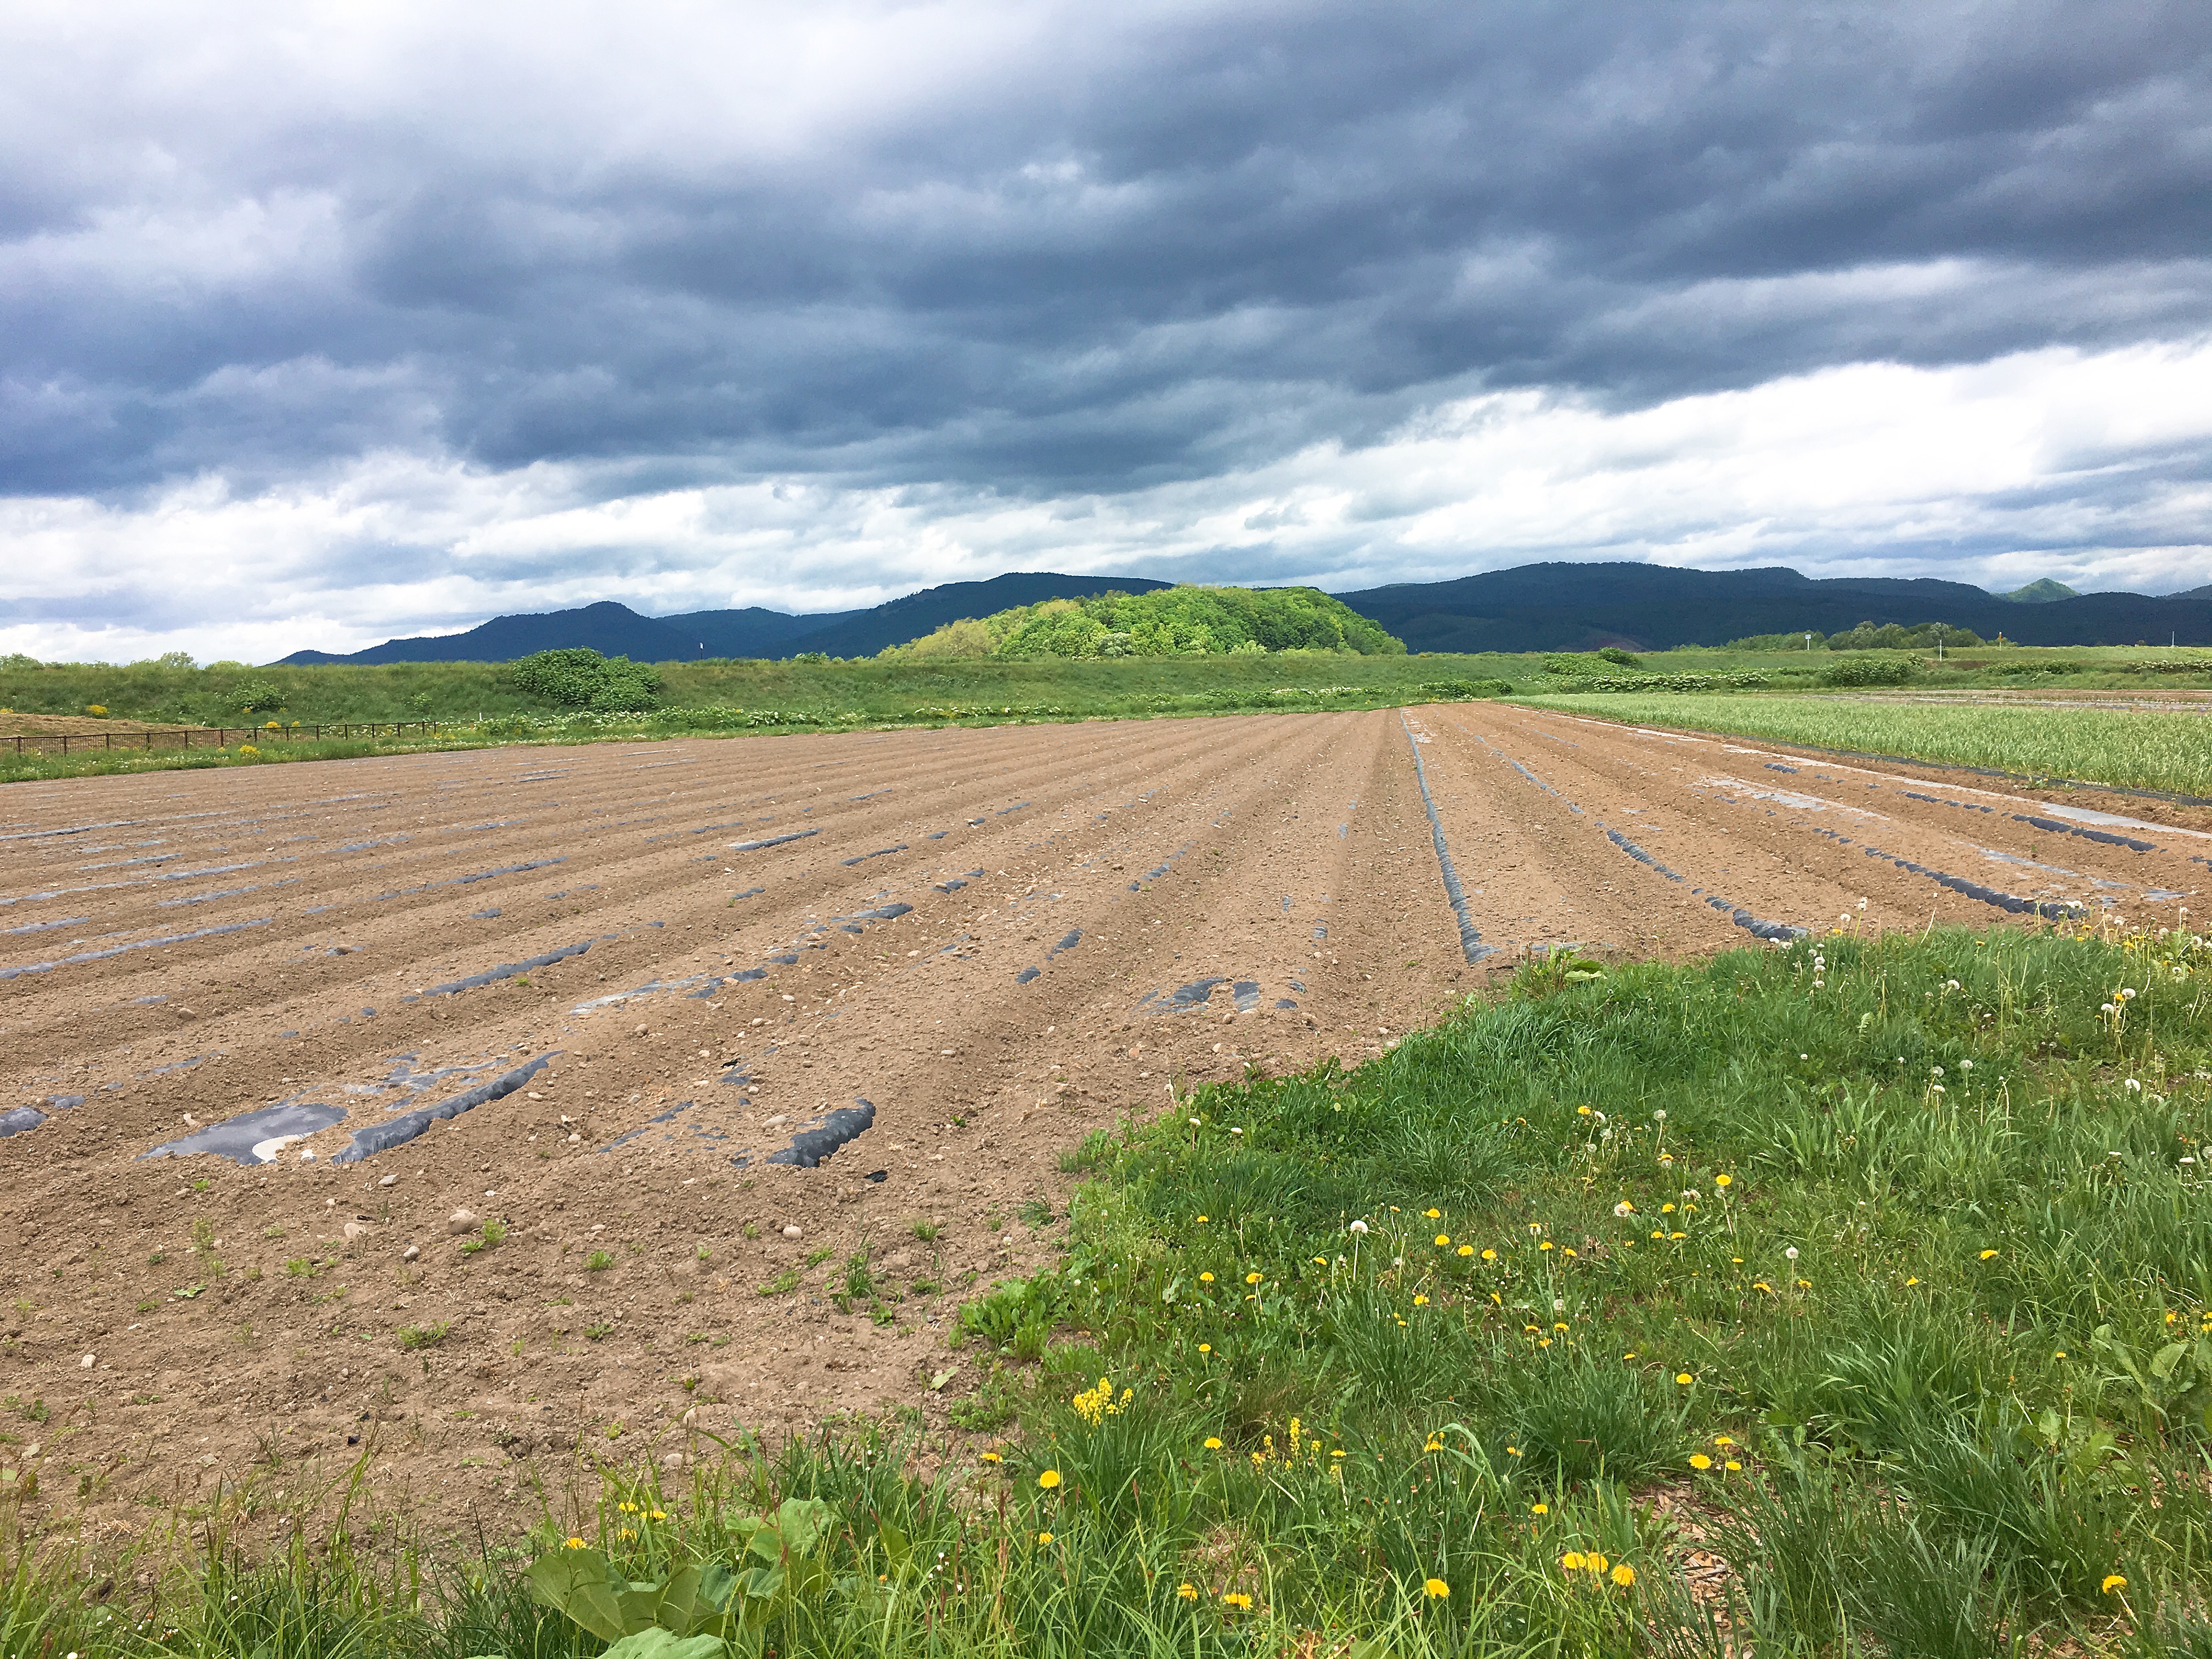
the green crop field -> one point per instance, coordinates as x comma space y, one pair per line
2136, 748
1850, 1298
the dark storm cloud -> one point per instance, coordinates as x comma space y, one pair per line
1136, 260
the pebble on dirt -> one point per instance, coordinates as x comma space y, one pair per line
461, 1221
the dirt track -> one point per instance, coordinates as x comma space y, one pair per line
179, 949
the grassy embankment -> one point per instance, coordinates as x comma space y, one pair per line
2135, 748
481, 703
1878, 1270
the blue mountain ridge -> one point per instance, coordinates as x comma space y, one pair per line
1536, 607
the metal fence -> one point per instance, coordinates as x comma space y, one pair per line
191, 737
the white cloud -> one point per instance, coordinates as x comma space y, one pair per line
2048, 463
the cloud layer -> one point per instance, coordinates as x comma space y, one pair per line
323, 326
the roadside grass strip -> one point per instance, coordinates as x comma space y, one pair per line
1844, 1296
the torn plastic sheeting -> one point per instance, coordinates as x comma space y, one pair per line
773, 840
880, 913
1470, 941
20, 1119
880, 853
1074, 937
629, 1135
1638, 853
399, 1131
506, 971
2103, 836
255, 1137
818, 1140
1753, 925
137, 944
1027, 975
1973, 890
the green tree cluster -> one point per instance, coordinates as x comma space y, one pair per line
1184, 621
1867, 636
582, 678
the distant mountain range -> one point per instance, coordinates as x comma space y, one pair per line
614, 629
1535, 607
1579, 607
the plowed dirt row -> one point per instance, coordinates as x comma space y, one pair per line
667, 962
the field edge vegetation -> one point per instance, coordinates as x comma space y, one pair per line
1849, 1297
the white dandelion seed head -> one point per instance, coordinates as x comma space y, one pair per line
1791, 1253
1360, 1228
1660, 1117
1623, 1209
2133, 1086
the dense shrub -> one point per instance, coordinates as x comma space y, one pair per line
582, 678
1869, 670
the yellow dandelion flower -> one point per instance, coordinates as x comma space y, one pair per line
1986, 1255
1722, 1181
2113, 1581
1733, 1466
1513, 1451
1443, 1239
659, 1514
1205, 1347
1467, 1249
575, 1543
1489, 1255
1206, 1279
1700, 1461
1569, 1254
1571, 1561
992, 1458
1437, 1589
1684, 1378
1539, 1508
1910, 1283
1251, 1279
1213, 1443
1420, 1302
1433, 1215
1044, 1538
1049, 1479
1595, 1562
625, 1532
1237, 1600
1189, 1592
1624, 1574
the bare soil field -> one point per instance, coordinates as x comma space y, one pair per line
265, 1030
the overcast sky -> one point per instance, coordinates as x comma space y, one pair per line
321, 324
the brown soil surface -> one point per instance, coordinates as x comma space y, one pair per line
76, 725
180, 948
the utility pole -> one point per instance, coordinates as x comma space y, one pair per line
1939, 642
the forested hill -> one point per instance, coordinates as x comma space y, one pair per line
1170, 622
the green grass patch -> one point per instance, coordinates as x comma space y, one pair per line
2137, 749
